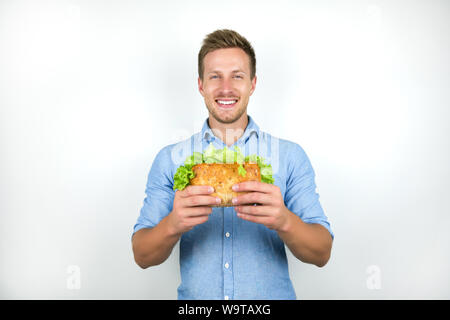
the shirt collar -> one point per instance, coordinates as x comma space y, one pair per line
251, 128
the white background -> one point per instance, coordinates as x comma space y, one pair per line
90, 91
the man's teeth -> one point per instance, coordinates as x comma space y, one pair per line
227, 101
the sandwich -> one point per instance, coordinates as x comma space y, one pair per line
221, 169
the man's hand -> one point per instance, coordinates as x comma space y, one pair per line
271, 212
310, 243
152, 246
191, 207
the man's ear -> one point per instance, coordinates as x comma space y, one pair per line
253, 85
200, 86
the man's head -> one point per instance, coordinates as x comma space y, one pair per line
226, 68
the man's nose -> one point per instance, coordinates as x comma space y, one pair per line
227, 85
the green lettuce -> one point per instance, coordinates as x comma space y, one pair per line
184, 173
241, 170
191, 161
182, 177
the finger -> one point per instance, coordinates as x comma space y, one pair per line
252, 197
197, 211
195, 201
196, 190
197, 220
253, 210
256, 219
254, 186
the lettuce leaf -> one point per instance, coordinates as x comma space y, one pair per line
212, 155
266, 173
191, 161
238, 155
241, 170
228, 155
182, 177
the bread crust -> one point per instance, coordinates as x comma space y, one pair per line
222, 176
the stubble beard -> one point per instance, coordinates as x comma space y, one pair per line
228, 118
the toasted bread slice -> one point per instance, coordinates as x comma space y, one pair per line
222, 176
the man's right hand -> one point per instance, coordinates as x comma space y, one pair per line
191, 207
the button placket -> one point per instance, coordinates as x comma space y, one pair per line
227, 262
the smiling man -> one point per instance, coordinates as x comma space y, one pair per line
234, 252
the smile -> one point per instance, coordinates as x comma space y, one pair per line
226, 103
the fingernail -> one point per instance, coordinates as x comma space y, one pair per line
218, 200
235, 187
234, 200
211, 189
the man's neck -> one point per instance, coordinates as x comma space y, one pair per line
229, 133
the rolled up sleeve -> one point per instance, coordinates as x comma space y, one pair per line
158, 201
301, 197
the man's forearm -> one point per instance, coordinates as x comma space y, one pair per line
153, 246
310, 243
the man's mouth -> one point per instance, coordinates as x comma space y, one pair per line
226, 103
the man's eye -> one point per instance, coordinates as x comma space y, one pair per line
214, 77
238, 77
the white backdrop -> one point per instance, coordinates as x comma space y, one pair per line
90, 91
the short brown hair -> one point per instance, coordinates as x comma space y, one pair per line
223, 39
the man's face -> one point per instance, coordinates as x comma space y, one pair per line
226, 85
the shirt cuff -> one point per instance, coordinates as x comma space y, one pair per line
322, 223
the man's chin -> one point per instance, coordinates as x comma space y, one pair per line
226, 119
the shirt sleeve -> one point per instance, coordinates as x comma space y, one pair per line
301, 197
158, 202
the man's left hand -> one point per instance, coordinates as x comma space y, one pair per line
271, 210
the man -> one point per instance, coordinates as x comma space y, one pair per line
235, 252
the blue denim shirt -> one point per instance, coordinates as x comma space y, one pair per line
228, 257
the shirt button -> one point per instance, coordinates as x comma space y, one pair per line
227, 297
227, 234
227, 265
